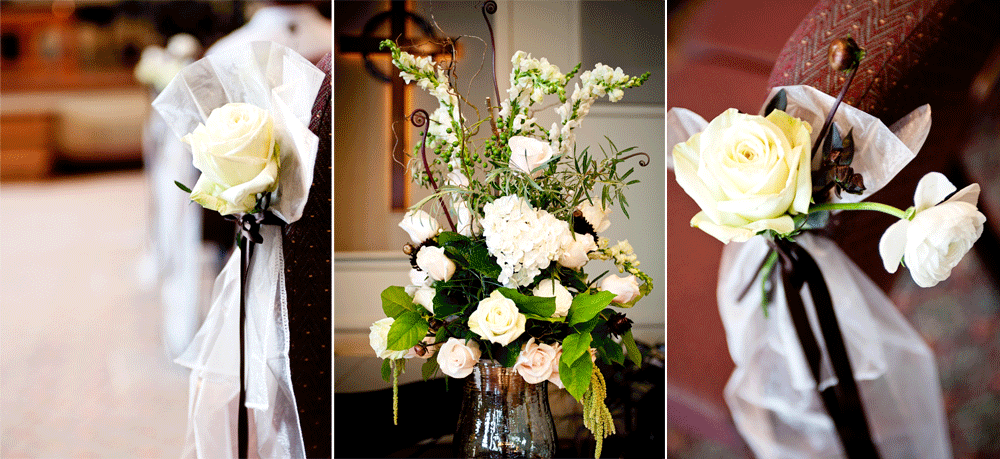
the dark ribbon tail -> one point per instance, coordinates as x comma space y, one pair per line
843, 400
242, 425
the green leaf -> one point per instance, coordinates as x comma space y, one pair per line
182, 187
387, 370
543, 306
445, 305
406, 331
395, 301
632, 350
428, 368
612, 350
585, 306
575, 346
481, 261
451, 238
576, 376
779, 102
545, 319
507, 355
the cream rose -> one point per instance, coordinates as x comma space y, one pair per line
574, 252
456, 359
625, 288
419, 225
939, 235
424, 296
497, 319
552, 289
527, 153
378, 338
537, 361
235, 152
435, 263
747, 174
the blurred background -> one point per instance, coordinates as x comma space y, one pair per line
723, 54
105, 268
372, 193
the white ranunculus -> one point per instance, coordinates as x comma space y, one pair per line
234, 150
378, 339
537, 361
527, 153
625, 288
435, 263
596, 215
457, 359
940, 233
497, 319
424, 296
747, 174
419, 225
552, 289
574, 254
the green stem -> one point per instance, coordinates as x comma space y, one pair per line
877, 206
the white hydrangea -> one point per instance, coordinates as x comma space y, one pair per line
523, 240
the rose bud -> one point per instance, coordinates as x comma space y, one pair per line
844, 54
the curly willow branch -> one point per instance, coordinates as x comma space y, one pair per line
641, 162
419, 118
491, 7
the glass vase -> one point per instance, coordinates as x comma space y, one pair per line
503, 416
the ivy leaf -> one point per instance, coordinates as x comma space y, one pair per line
538, 305
576, 376
406, 331
428, 368
632, 350
395, 301
778, 102
585, 306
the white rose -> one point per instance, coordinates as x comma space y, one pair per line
574, 254
234, 150
378, 339
419, 278
419, 225
424, 296
551, 289
747, 174
456, 359
435, 263
497, 319
527, 153
597, 216
536, 361
554, 377
463, 218
184, 46
625, 288
938, 236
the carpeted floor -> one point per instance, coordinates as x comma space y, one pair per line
83, 371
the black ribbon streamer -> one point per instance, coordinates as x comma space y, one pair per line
843, 400
249, 227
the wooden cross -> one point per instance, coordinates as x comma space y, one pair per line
368, 44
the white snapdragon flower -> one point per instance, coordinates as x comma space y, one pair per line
940, 233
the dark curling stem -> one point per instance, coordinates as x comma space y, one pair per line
419, 118
642, 163
242, 427
491, 7
833, 110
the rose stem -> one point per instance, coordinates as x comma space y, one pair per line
833, 111
876, 206
419, 117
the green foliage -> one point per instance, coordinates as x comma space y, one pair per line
585, 306
576, 375
632, 351
395, 301
536, 305
406, 331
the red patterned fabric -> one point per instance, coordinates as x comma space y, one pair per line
306, 247
918, 52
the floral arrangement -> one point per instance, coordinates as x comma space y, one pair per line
754, 175
157, 65
505, 280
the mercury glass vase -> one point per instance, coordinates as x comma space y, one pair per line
503, 416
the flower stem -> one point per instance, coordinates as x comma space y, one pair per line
833, 110
877, 206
